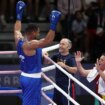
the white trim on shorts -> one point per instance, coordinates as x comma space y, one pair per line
33, 75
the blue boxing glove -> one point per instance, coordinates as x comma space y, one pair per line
54, 18
19, 9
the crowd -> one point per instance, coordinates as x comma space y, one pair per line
84, 24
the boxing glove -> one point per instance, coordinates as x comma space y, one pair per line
54, 18
19, 9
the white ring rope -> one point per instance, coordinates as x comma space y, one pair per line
10, 91
20, 91
51, 48
60, 90
44, 69
74, 79
47, 98
48, 68
10, 72
44, 49
47, 88
8, 52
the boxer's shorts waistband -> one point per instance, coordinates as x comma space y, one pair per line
33, 75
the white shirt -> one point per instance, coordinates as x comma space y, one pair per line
101, 83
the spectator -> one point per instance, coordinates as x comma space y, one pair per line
79, 30
97, 73
66, 61
44, 10
39, 8
11, 10
2, 14
68, 11
29, 12
95, 28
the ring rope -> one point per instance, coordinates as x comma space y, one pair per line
51, 48
20, 91
60, 90
47, 88
44, 69
47, 98
8, 52
48, 68
74, 79
44, 49
10, 91
10, 72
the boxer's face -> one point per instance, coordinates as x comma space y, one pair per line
37, 33
34, 34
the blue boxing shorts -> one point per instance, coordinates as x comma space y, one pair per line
31, 88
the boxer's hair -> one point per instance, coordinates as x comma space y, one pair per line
31, 27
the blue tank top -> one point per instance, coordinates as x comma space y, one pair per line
29, 64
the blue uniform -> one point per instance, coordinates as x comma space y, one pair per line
62, 80
30, 79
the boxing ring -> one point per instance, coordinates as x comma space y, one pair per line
53, 84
